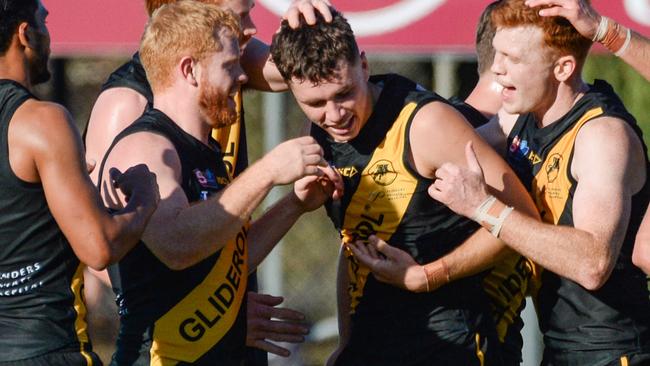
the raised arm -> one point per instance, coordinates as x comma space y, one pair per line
114, 110
608, 174
586, 20
47, 148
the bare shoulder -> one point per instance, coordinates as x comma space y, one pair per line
438, 135
609, 143
115, 109
43, 124
435, 117
143, 148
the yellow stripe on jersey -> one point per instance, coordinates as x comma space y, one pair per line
228, 138
552, 184
381, 199
624, 361
77, 286
197, 323
479, 352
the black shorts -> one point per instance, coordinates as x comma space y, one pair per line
68, 358
476, 352
596, 358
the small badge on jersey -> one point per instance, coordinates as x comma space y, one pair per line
522, 151
383, 173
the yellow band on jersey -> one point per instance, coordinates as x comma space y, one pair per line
194, 325
381, 199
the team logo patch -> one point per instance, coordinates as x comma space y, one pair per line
383, 173
553, 167
348, 171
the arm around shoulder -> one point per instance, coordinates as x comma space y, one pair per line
96, 237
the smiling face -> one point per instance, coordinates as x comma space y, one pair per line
341, 106
221, 77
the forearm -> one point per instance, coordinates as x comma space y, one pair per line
566, 251
262, 73
267, 231
201, 229
478, 253
128, 227
638, 55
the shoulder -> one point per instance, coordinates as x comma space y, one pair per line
436, 115
43, 123
120, 100
609, 143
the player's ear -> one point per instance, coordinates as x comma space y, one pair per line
565, 67
23, 34
188, 68
365, 67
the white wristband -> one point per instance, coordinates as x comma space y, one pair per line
481, 215
602, 29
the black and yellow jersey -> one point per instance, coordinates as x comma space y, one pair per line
41, 307
385, 196
191, 316
506, 284
614, 318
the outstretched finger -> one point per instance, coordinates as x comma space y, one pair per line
381, 246
323, 7
554, 12
335, 177
535, 3
360, 253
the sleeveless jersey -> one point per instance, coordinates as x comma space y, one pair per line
506, 284
231, 138
41, 279
614, 317
385, 196
192, 316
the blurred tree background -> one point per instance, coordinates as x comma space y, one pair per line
309, 252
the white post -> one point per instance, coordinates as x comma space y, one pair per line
445, 75
270, 274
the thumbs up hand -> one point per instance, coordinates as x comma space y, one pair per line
459, 188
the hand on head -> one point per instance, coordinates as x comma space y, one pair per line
308, 9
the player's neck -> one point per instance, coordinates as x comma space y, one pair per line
15, 68
486, 96
184, 110
567, 95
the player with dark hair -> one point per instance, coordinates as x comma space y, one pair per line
52, 221
387, 137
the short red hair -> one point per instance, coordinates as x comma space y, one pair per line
559, 34
152, 5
